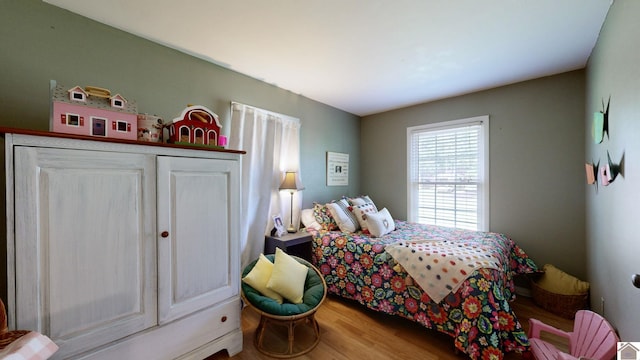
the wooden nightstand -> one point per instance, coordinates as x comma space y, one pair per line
298, 244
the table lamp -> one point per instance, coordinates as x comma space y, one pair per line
292, 183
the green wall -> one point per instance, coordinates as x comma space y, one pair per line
538, 133
536, 162
40, 42
613, 240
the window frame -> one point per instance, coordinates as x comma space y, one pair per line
68, 120
122, 126
198, 136
78, 96
483, 194
117, 103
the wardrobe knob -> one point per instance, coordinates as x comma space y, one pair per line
164, 234
223, 319
635, 280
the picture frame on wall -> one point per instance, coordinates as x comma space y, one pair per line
337, 169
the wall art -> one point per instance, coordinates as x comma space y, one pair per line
601, 123
337, 169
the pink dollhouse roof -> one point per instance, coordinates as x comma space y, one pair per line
198, 112
77, 89
119, 97
61, 94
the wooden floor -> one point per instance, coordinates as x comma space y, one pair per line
350, 331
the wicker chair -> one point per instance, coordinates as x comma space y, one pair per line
23, 344
287, 314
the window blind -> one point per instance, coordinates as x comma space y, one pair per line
447, 174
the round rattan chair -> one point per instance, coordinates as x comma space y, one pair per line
287, 314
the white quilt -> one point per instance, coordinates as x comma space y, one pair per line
440, 267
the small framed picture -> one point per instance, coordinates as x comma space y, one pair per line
279, 225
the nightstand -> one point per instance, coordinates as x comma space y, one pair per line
298, 244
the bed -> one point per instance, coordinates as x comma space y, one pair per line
477, 314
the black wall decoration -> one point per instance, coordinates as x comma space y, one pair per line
608, 171
601, 123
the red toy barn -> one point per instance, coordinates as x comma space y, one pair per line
196, 125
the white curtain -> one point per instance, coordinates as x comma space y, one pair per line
272, 143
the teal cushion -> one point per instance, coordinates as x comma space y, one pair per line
313, 294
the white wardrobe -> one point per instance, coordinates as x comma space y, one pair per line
123, 250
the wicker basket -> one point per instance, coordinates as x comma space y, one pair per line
562, 305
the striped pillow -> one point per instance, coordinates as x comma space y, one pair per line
341, 213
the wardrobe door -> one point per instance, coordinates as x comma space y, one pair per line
85, 245
198, 253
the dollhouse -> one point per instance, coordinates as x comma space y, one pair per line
195, 125
93, 111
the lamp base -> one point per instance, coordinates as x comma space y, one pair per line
291, 229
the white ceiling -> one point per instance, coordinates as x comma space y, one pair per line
368, 56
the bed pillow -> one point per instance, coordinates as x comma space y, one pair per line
361, 200
557, 281
309, 220
323, 217
380, 223
288, 277
259, 276
361, 212
341, 213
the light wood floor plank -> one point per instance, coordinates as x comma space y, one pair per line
350, 331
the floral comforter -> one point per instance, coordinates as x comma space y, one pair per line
478, 315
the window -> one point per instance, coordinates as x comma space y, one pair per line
213, 137
185, 134
448, 177
73, 120
121, 126
198, 135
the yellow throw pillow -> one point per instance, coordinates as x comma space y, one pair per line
259, 276
288, 277
557, 281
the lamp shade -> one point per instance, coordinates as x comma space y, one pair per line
291, 182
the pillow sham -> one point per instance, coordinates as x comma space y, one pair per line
361, 212
380, 223
341, 213
309, 220
323, 217
361, 200
288, 277
259, 276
